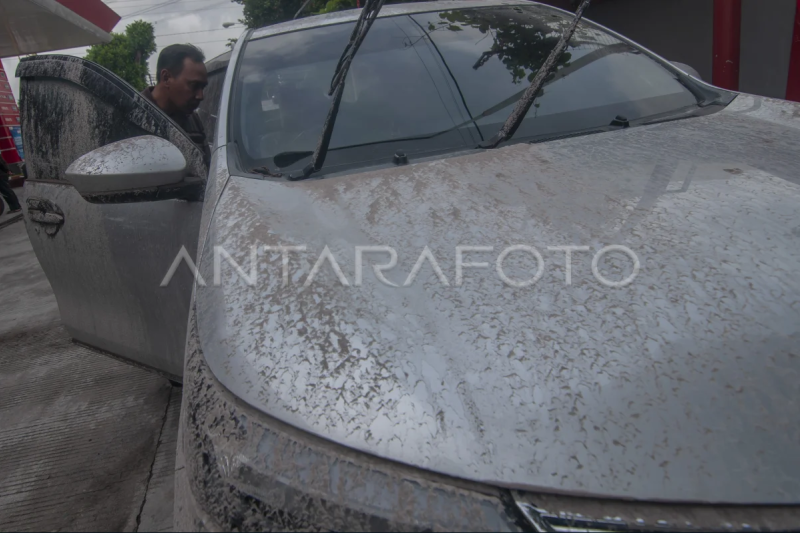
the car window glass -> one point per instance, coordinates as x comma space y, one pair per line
439, 81
389, 92
495, 53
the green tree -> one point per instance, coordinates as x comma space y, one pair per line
258, 13
127, 53
336, 5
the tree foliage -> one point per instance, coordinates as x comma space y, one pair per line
522, 48
127, 53
258, 13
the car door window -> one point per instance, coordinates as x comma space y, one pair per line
72, 106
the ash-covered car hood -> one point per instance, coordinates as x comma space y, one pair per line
681, 386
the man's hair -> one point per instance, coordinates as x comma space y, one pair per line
171, 58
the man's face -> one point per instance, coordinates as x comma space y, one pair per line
186, 90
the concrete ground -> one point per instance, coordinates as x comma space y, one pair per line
86, 443
8, 218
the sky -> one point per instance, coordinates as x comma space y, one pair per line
175, 21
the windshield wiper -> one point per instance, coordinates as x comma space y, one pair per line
368, 15
285, 159
524, 104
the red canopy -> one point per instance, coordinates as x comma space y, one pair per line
95, 11
36, 26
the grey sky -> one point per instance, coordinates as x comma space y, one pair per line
176, 21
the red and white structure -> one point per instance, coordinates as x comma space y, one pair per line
9, 122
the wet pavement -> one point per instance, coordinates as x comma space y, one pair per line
87, 443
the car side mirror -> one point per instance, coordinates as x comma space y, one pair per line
687, 69
139, 169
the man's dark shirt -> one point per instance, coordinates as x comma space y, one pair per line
191, 124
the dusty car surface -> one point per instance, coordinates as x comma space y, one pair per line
593, 326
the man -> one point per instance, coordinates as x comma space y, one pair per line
5, 188
182, 77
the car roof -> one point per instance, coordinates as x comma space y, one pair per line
387, 11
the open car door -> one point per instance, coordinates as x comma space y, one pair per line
106, 252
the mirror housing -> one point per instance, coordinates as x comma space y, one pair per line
138, 169
687, 69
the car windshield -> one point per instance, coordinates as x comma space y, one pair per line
438, 82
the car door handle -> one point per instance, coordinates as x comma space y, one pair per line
46, 213
41, 217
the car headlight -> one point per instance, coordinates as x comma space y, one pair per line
546, 512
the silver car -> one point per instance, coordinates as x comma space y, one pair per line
594, 326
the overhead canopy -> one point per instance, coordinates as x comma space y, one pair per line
35, 26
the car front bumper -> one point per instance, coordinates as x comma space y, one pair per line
240, 470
